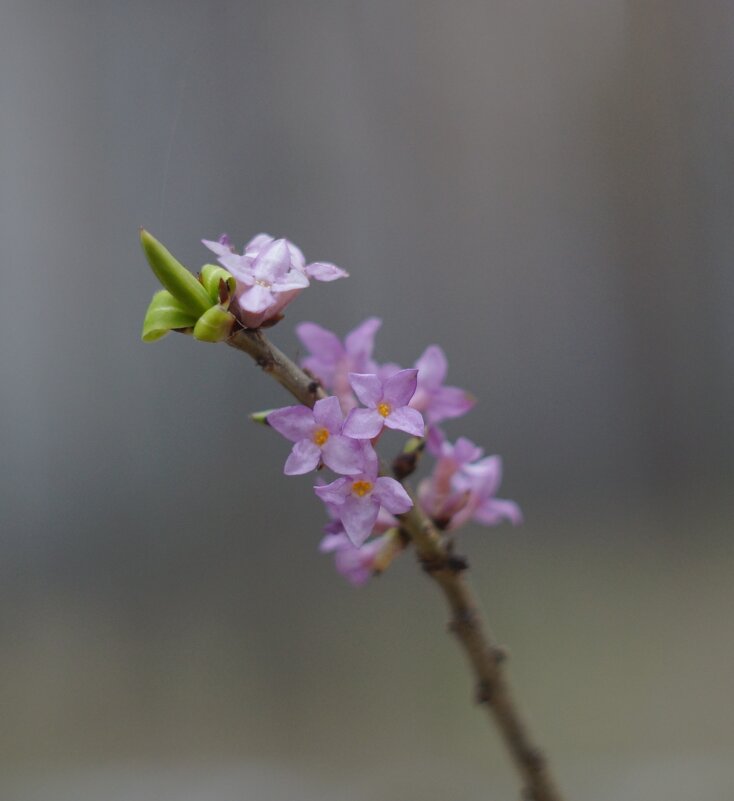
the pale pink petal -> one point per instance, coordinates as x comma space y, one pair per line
219, 248
293, 422
360, 342
392, 495
400, 388
343, 455
367, 387
239, 266
358, 515
273, 261
449, 402
304, 458
494, 510
293, 279
406, 419
484, 476
328, 414
465, 451
323, 344
257, 243
363, 424
332, 542
323, 271
256, 299
336, 492
432, 367
296, 255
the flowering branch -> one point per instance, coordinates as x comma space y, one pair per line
485, 656
375, 513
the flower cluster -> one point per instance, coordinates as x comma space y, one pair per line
270, 273
342, 430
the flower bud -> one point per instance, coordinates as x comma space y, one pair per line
218, 283
166, 313
174, 276
214, 325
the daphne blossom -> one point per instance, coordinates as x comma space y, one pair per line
387, 405
356, 500
269, 274
317, 434
331, 361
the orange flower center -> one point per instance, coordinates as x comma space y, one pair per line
384, 409
320, 436
361, 488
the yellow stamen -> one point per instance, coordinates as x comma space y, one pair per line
320, 436
384, 409
361, 488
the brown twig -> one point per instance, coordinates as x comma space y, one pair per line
485, 656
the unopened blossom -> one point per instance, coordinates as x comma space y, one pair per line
331, 361
269, 274
387, 405
356, 500
317, 434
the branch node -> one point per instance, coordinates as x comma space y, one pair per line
500, 654
484, 692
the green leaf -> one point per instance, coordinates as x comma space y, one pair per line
214, 325
211, 275
165, 313
174, 276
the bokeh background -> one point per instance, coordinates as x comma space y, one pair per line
544, 188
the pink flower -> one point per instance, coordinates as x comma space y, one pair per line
432, 398
331, 361
356, 500
462, 486
387, 405
358, 565
317, 434
269, 274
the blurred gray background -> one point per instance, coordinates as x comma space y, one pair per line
544, 188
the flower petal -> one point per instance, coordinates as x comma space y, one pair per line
273, 261
360, 342
328, 413
334, 493
323, 271
465, 451
392, 495
406, 419
432, 367
495, 510
400, 388
367, 387
358, 516
343, 455
257, 243
256, 298
293, 422
220, 248
323, 344
363, 424
449, 402
304, 458
293, 279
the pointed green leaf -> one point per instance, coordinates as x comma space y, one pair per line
214, 325
165, 313
174, 276
210, 277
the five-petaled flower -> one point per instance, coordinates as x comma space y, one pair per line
387, 405
356, 500
317, 434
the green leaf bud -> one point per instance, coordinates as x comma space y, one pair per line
174, 276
